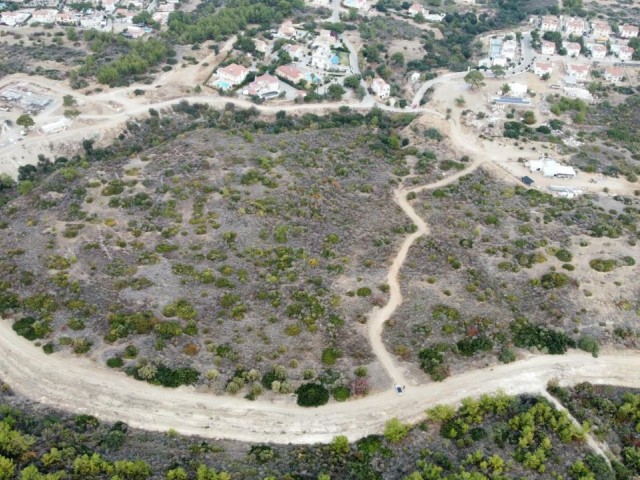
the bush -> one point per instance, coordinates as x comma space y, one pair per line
507, 355
312, 395
589, 344
432, 361
341, 393
363, 292
564, 255
551, 341
31, 328
470, 346
394, 430
554, 280
331, 355
115, 362
602, 265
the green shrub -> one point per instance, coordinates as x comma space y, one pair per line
312, 395
564, 255
331, 355
603, 265
31, 328
394, 430
470, 346
341, 393
115, 362
180, 308
551, 341
432, 361
554, 280
363, 292
507, 355
589, 344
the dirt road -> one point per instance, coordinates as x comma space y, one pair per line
80, 386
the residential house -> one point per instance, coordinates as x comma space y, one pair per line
110, 5
578, 71
295, 51
628, 31
43, 16
598, 51
600, 30
290, 73
261, 46
434, 17
161, 17
15, 18
575, 26
67, 18
614, 74
542, 68
122, 15
381, 88
417, 8
572, 48
264, 86
549, 24
550, 168
548, 48
92, 20
321, 58
233, 74
508, 49
134, 31
287, 30
321, 3
517, 89
625, 53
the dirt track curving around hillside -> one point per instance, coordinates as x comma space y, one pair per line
80, 386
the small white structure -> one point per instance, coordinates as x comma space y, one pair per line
628, 31
324, 39
56, 126
67, 18
320, 3
434, 17
357, 4
598, 51
614, 74
124, 16
578, 71
625, 53
577, 92
381, 88
575, 26
551, 169
508, 49
321, 58
233, 74
261, 45
548, 48
600, 30
572, 48
264, 86
517, 89
110, 5
15, 19
542, 68
549, 24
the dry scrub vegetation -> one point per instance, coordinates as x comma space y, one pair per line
506, 266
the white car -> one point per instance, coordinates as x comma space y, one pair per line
399, 389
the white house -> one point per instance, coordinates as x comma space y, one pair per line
549, 24
320, 3
508, 49
572, 48
613, 74
44, 16
548, 48
287, 30
110, 5
381, 88
321, 58
264, 86
628, 31
578, 71
233, 74
122, 15
417, 8
598, 51
67, 18
16, 18
93, 20
600, 30
325, 38
290, 73
517, 89
550, 168
575, 26
134, 31
295, 51
625, 53
542, 68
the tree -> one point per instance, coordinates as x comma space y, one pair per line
312, 395
7, 468
25, 120
68, 101
529, 118
505, 89
498, 71
475, 79
340, 445
335, 92
397, 59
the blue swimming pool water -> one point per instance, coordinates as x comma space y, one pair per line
222, 84
335, 60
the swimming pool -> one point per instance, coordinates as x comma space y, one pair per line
335, 60
222, 84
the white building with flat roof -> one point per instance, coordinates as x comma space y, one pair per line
550, 168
